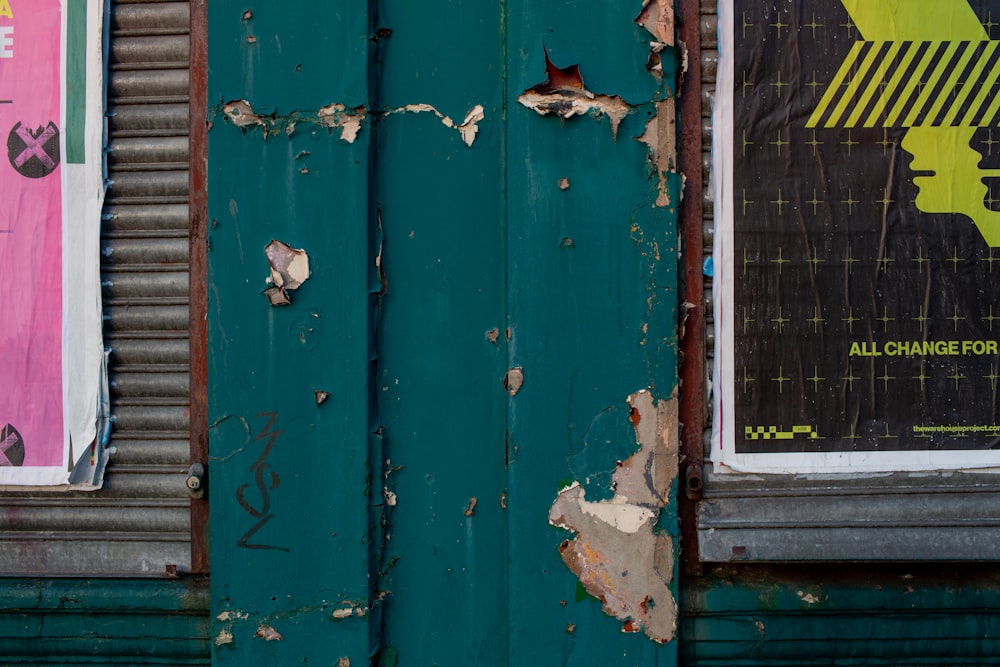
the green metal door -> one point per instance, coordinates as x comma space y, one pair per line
452, 439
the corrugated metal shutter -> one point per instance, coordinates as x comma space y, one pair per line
709, 65
140, 522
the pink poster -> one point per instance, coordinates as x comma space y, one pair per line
32, 431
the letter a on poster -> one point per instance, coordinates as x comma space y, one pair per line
53, 402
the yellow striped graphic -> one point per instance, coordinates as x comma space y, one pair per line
991, 111
880, 73
929, 85
831, 93
984, 90
855, 84
918, 75
894, 81
949, 85
971, 83
939, 67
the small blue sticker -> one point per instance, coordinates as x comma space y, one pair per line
709, 268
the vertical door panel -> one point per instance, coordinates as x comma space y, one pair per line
440, 370
288, 473
592, 309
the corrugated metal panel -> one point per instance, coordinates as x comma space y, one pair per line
140, 522
709, 65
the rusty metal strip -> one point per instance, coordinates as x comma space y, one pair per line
198, 267
692, 344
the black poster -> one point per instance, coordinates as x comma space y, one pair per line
858, 273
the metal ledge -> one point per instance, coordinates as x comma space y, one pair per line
946, 516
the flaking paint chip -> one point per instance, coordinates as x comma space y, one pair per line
289, 269
564, 94
564, 184
268, 634
348, 120
513, 380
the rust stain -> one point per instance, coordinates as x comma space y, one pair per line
564, 94
617, 554
470, 509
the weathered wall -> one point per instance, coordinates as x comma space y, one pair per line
488, 317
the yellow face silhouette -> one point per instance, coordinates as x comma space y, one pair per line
927, 36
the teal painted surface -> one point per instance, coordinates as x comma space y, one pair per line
441, 398
421, 489
585, 283
76, 80
104, 622
288, 477
854, 614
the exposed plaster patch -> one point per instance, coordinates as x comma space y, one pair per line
232, 616
657, 17
268, 634
224, 637
240, 114
514, 379
289, 269
390, 497
660, 136
564, 94
344, 662
347, 609
321, 396
470, 509
808, 598
618, 554
564, 184
348, 120
493, 335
